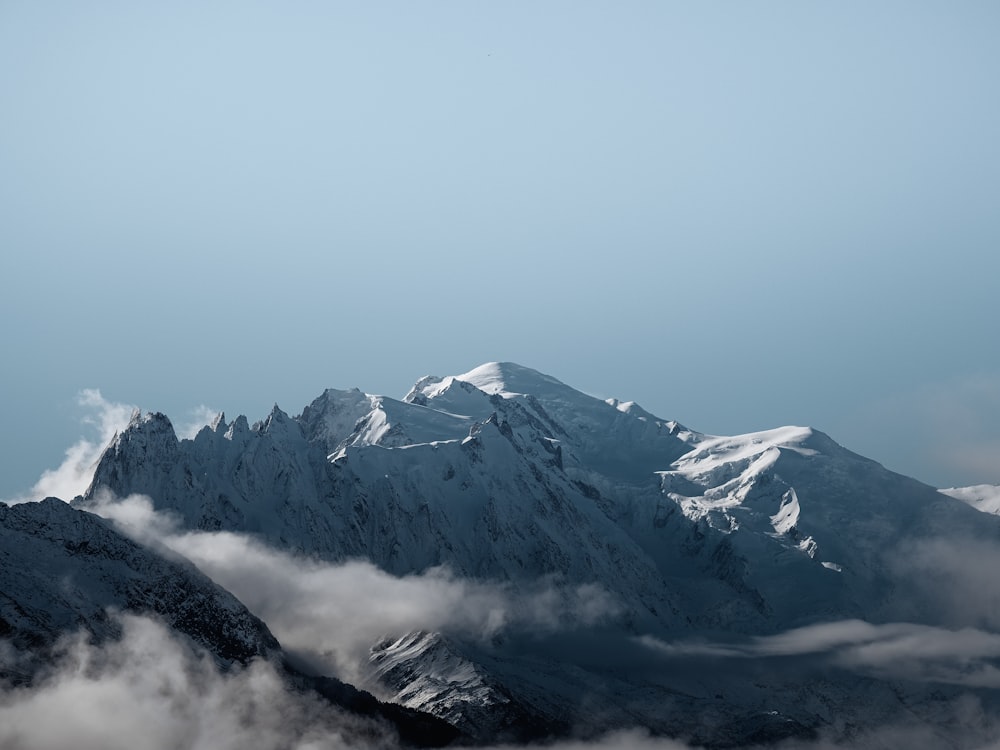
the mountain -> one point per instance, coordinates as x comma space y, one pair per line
65, 571
506, 474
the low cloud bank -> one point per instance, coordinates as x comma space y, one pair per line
152, 690
890, 651
333, 613
949, 585
155, 690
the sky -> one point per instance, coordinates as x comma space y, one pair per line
740, 215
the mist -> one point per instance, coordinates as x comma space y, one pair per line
155, 690
102, 420
156, 686
332, 614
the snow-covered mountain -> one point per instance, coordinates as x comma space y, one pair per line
506, 474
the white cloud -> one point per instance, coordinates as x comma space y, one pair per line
74, 474
155, 690
104, 419
893, 650
151, 690
334, 613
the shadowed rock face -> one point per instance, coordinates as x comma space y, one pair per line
64, 569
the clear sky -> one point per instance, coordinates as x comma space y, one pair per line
738, 214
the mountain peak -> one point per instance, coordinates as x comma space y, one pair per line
278, 424
509, 377
152, 423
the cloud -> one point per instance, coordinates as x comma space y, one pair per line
155, 690
334, 613
73, 476
906, 651
104, 419
152, 690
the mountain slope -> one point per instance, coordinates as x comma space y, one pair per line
63, 569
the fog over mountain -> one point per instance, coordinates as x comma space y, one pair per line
509, 555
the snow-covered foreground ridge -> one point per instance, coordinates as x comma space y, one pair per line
984, 497
507, 475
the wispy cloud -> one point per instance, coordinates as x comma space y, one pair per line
335, 612
151, 690
894, 650
154, 690
949, 584
103, 419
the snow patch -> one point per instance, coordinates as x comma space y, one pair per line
788, 515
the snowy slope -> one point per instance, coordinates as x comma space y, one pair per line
503, 473
430, 672
983, 497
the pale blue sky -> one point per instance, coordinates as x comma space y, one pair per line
738, 214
